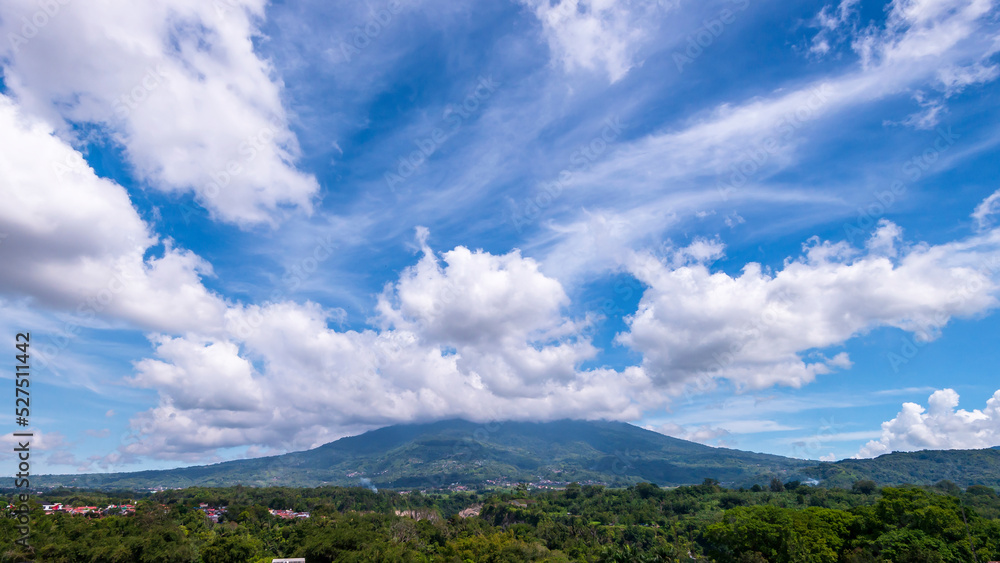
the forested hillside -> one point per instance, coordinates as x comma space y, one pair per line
459, 452
964, 467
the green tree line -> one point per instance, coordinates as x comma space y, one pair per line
782, 523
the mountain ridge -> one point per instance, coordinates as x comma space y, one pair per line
459, 453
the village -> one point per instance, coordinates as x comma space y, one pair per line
91, 511
214, 513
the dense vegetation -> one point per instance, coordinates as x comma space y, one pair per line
783, 522
965, 467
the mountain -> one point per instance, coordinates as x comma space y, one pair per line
963, 467
459, 452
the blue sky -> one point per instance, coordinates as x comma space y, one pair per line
242, 228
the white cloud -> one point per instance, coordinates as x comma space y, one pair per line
929, 115
829, 21
757, 329
478, 337
938, 427
954, 79
74, 241
722, 433
924, 29
192, 375
730, 151
704, 434
700, 251
178, 84
476, 296
594, 34
50, 444
500, 313
987, 210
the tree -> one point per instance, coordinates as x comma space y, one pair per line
573, 490
776, 485
864, 486
980, 490
231, 549
948, 487
646, 490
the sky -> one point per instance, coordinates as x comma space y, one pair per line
237, 228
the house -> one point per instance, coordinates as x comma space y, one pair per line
119, 509
288, 514
212, 512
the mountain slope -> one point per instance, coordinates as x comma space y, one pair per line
458, 452
963, 467
446, 453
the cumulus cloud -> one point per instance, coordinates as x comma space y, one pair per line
471, 334
938, 427
474, 296
500, 313
478, 336
192, 375
758, 329
63, 223
177, 84
594, 34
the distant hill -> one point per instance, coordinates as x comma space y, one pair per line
458, 452
963, 467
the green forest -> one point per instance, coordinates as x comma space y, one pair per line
781, 523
